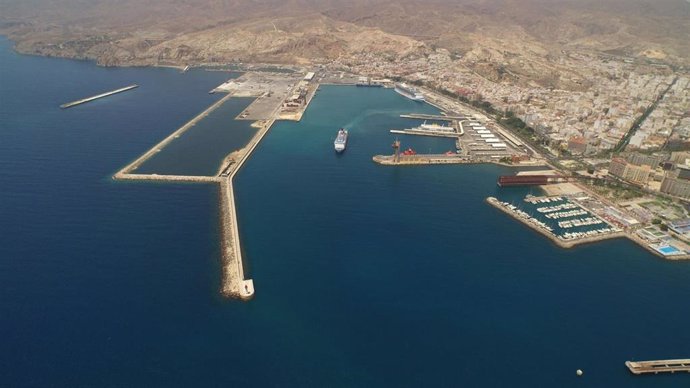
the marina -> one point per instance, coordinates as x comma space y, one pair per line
556, 232
103, 95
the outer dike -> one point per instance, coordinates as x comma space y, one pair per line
96, 97
234, 283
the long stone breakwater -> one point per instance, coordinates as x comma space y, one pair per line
234, 283
102, 95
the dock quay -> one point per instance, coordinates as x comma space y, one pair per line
530, 180
659, 366
102, 95
389, 160
420, 116
425, 132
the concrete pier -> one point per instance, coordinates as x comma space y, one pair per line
422, 116
425, 132
389, 160
88, 99
659, 366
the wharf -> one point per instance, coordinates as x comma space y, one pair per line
102, 95
425, 132
389, 160
659, 366
297, 114
420, 116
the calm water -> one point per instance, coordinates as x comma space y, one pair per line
366, 275
201, 149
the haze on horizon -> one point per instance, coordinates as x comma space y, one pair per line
305, 31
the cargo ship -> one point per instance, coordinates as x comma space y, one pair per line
409, 91
341, 140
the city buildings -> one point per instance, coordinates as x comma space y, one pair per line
622, 169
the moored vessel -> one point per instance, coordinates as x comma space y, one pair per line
437, 127
409, 91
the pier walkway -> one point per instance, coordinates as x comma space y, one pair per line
659, 366
88, 99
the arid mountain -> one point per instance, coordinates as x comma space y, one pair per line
301, 31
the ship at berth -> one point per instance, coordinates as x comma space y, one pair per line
409, 91
341, 140
437, 128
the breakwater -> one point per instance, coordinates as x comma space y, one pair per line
234, 283
96, 97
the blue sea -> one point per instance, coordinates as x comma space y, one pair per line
365, 275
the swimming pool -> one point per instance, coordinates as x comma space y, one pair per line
668, 250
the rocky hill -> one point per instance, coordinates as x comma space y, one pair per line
160, 32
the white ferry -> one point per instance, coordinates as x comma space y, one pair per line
341, 140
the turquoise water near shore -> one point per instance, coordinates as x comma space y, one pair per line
366, 275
